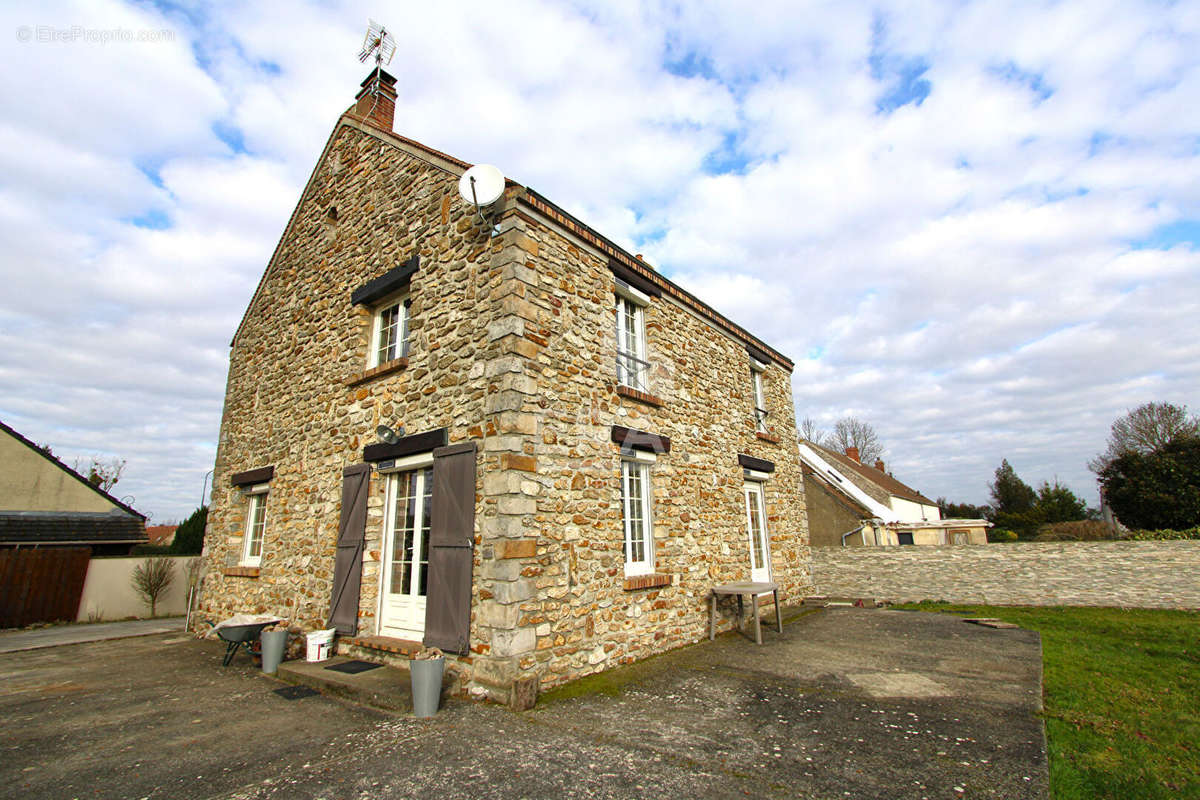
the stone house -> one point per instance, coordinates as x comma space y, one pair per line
584, 447
851, 504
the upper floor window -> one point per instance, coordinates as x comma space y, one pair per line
760, 401
632, 367
389, 336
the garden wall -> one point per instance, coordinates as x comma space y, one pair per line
1128, 574
108, 592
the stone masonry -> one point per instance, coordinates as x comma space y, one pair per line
512, 345
1124, 574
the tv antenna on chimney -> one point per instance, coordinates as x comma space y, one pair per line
379, 43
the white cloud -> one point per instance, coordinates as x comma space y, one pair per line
964, 272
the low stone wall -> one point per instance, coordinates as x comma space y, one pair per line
1126, 574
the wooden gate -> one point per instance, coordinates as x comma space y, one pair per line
41, 585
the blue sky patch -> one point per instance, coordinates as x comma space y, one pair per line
691, 65
231, 135
1184, 231
155, 219
1033, 81
901, 75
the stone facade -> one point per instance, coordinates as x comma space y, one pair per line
1124, 574
513, 346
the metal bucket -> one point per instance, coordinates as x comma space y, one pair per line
274, 645
426, 685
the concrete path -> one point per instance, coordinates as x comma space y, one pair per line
55, 635
848, 703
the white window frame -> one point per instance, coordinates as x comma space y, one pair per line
256, 525
757, 368
632, 303
638, 463
752, 488
399, 349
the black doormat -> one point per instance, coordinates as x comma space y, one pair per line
353, 667
295, 692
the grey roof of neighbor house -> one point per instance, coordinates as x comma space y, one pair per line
60, 465
70, 527
878, 484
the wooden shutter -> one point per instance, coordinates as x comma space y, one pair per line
347, 567
451, 539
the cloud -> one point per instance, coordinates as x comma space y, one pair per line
972, 227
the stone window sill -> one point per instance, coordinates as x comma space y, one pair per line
641, 397
240, 572
387, 368
766, 437
652, 581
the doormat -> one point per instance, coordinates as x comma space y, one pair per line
295, 692
353, 667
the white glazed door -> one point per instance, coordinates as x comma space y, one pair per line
406, 554
756, 525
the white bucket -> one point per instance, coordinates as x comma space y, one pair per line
320, 644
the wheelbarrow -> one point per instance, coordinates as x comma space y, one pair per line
241, 631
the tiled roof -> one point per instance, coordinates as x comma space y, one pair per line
84, 527
159, 533
876, 483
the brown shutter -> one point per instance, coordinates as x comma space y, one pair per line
347, 567
451, 538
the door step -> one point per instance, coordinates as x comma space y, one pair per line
387, 688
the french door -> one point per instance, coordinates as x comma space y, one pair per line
405, 571
756, 525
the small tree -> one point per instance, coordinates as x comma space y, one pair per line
102, 474
152, 578
1144, 430
189, 536
853, 432
1058, 503
811, 432
961, 510
1158, 490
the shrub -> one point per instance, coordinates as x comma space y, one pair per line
1159, 536
1001, 535
150, 550
1083, 530
152, 578
189, 536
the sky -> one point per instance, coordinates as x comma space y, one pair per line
973, 225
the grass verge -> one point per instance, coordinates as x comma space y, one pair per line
1122, 698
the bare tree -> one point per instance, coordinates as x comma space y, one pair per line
811, 432
152, 578
102, 474
1144, 430
853, 432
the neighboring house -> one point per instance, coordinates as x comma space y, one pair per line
585, 448
45, 503
851, 504
161, 535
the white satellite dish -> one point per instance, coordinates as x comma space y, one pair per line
481, 185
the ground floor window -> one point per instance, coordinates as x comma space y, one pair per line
756, 525
639, 525
256, 526
904, 537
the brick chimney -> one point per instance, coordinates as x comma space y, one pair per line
879, 465
852, 453
377, 100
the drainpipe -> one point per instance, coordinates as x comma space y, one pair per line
859, 528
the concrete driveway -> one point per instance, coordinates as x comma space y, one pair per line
848, 703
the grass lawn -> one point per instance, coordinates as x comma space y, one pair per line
1122, 697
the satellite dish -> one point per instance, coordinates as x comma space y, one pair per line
379, 42
388, 435
481, 185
